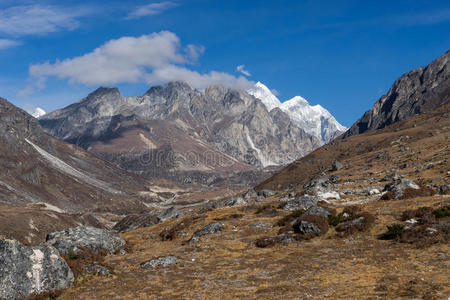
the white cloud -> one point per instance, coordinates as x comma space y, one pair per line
4, 44
39, 19
241, 69
33, 110
150, 9
155, 58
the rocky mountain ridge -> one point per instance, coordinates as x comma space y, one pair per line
174, 129
418, 91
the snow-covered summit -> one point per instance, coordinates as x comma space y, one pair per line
314, 120
263, 93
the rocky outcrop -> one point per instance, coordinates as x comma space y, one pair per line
25, 270
419, 91
209, 229
91, 238
174, 130
135, 221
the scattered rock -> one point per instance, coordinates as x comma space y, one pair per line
444, 189
209, 229
260, 224
165, 261
301, 203
234, 201
25, 270
305, 227
170, 213
97, 270
250, 194
266, 193
317, 210
91, 238
336, 166
398, 187
132, 222
391, 177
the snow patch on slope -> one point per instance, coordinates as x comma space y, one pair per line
265, 162
65, 168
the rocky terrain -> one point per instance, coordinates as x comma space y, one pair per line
182, 134
364, 216
418, 91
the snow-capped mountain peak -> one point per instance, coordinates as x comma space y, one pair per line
263, 93
313, 119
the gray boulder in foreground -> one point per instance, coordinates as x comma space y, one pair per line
25, 270
91, 238
301, 203
165, 261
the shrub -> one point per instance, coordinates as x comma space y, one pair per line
265, 242
394, 231
292, 216
442, 212
355, 224
72, 255
263, 208
336, 220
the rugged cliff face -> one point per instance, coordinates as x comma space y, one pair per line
174, 130
418, 91
35, 167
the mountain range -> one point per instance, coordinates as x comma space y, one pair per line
186, 135
315, 120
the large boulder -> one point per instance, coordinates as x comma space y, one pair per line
25, 270
209, 229
398, 187
91, 238
301, 203
317, 210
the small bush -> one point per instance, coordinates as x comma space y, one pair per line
292, 216
442, 212
263, 208
281, 205
265, 242
420, 213
72, 255
349, 227
336, 220
394, 231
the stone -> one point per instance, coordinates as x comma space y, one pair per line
301, 203
170, 213
209, 229
25, 270
250, 194
260, 224
399, 186
336, 166
266, 193
165, 261
305, 227
234, 201
317, 210
91, 238
97, 270
134, 221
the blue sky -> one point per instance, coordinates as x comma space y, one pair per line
341, 54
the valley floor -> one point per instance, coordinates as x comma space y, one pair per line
228, 265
